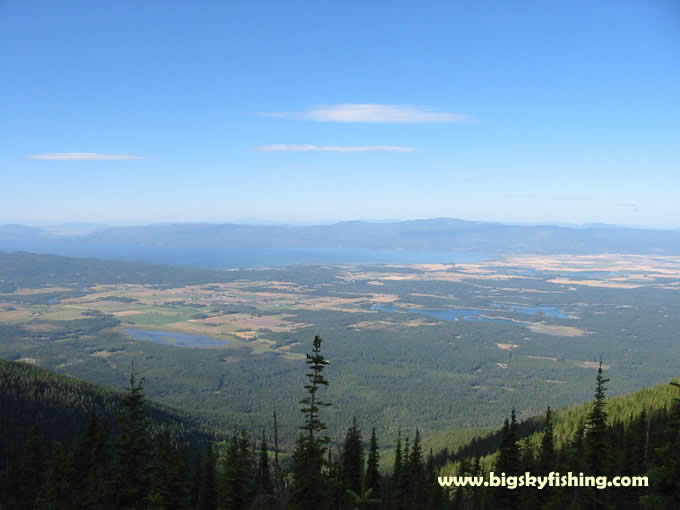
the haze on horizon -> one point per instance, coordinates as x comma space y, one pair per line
76, 228
312, 114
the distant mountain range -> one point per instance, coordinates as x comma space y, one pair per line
214, 245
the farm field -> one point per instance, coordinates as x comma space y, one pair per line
419, 345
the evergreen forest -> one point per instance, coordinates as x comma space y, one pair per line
74, 445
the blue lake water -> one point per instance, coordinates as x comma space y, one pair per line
551, 311
174, 338
240, 257
476, 314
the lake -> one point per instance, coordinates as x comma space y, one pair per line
452, 314
173, 338
551, 311
239, 257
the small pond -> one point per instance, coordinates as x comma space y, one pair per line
173, 338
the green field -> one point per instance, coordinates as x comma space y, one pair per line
391, 367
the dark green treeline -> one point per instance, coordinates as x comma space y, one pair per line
128, 463
628, 442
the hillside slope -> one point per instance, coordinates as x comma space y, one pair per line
62, 406
632, 440
622, 410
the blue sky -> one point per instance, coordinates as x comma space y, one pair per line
308, 112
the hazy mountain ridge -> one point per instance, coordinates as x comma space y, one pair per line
441, 235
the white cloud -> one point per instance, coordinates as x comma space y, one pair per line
64, 156
374, 113
332, 148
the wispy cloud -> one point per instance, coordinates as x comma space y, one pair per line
374, 113
333, 148
64, 156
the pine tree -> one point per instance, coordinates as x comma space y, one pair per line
546, 455
101, 482
416, 474
396, 470
32, 470
352, 462
527, 496
597, 440
56, 493
476, 468
403, 481
639, 444
462, 494
308, 490
508, 455
435, 493
207, 492
263, 479
247, 468
280, 485
196, 473
664, 475
316, 364
395, 494
373, 480
89, 471
508, 463
230, 490
547, 458
168, 483
479, 495
80, 465
574, 461
576, 448
335, 494
132, 449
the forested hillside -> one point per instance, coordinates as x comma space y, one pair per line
129, 454
62, 406
623, 410
22, 269
633, 435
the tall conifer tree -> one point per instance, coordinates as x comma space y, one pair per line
32, 469
133, 448
207, 491
416, 474
546, 454
308, 491
597, 440
237, 473
56, 492
169, 483
547, 460
373, 480
664, 474
395, 494
508, 463
597, 433
352, 462
403, 481
263, 480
